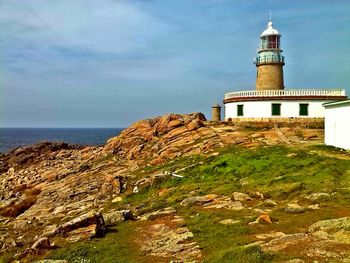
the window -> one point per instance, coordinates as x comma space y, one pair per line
273, 41
276, 109
303, 109
240, 110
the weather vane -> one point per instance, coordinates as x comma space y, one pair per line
270, 16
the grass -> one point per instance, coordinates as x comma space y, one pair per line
282, 173
6, 258
117, 247
240, 255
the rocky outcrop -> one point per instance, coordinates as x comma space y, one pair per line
161, 138
35, 153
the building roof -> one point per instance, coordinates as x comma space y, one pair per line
269, 30
336, 103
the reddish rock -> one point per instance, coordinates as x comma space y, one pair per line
265, 218
148, 138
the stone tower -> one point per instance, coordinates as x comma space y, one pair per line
216, 112
269, 61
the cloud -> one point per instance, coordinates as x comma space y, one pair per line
104, 25
81, 36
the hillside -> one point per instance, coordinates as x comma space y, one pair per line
177, 188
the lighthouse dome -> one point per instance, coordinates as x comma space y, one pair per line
269, 30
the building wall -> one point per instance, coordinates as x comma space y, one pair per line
269, 77
337, 126
262, 109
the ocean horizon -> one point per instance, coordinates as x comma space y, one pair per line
11, 138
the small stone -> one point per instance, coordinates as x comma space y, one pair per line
51, 261
117, 199
198, 199
135, 190
264, 218
317, 196
163, 192
269, 203
42, 243
229, 221
294, 208
313, 207
295, 261
257, 243
236, 196
11, 171
244, 181
270, 235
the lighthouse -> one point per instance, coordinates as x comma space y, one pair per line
270, 101
269, 61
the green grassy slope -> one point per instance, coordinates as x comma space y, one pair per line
283, 174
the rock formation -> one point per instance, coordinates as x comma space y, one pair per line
63, 191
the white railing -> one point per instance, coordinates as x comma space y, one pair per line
281, 93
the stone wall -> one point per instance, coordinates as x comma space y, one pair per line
317, 123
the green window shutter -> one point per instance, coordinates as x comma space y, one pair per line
303, 109
239, 110
276, 109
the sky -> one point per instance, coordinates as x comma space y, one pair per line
109, 63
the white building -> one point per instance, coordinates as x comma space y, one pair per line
270, 101
337, 124
272, 104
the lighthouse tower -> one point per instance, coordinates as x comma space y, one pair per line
270, 102
269, 61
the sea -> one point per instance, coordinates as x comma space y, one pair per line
11, 138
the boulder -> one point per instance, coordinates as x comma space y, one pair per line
334, 229
115, 217
94, 219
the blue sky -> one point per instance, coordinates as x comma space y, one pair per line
108, 63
